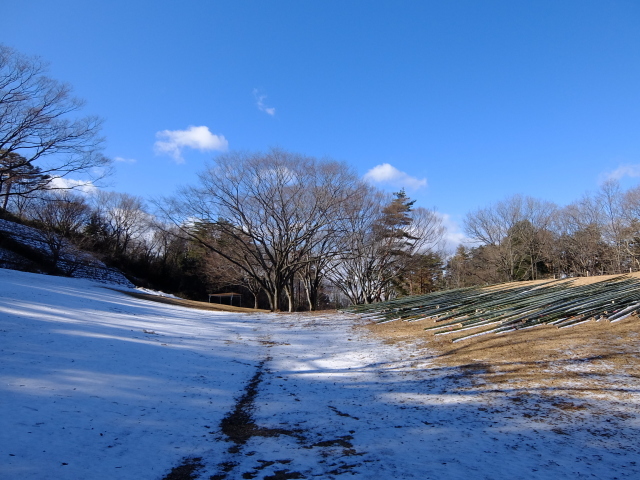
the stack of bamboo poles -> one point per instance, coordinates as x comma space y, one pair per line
506, 308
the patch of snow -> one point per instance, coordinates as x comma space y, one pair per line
155, 292
96, 384
75, 262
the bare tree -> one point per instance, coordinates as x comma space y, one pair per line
458, 271
631, 215
382, 236
18, 177
60, 218
516, 228
610, 202
265, 213
122, 219
352, 269
220, 271
313, 272
38, 131
580, 249
63, 212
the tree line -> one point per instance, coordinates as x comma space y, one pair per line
291, 232
276, 219
288, 230
524, 238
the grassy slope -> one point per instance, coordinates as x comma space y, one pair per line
192, 303
539, 358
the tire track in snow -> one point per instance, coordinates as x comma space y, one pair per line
239, 426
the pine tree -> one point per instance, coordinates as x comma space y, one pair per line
18, 176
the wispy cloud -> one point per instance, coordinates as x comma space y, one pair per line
390, 175
622, 171
260, 98
83, 186
172, 142
125, 160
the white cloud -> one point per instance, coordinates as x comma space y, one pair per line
622, 171
390, 175
171, 142
83, 186
260, 103
453, 235
125, 160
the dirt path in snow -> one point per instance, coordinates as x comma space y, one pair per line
334, 401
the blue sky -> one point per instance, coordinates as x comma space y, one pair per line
462, 102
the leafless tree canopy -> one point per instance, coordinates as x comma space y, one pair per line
513, 233
40, 138
280, 217
267, 214
522, 238
382, 237
122, 218
61, 212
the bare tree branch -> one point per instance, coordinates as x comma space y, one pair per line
37, 125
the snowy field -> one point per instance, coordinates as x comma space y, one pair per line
95, 384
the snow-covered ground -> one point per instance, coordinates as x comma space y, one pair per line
96, 384
72, 261
155, 292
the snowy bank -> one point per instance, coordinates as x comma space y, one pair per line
96, 384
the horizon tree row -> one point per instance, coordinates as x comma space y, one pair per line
523, 238
262, 221
278, 217
289, 230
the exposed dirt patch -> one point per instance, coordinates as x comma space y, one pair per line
225, 468
284, 475
569, 406
267, 463
187, 470
189, 303
342, 414
239, 425
594, 357
343, 441
269, 343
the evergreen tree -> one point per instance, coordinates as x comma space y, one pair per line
18, 176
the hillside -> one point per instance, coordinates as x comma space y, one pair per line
26, 248
103, 385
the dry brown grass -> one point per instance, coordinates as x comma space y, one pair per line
191, 303
594, 357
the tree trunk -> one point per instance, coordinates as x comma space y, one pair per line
6, 196
288, 291
273, 296
309, 296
